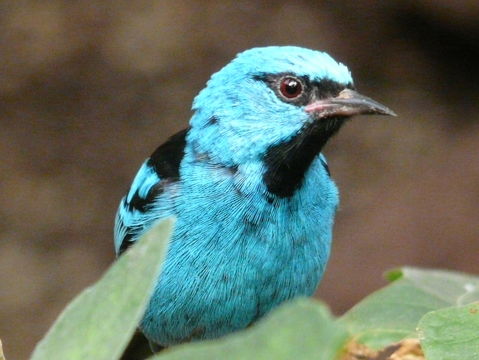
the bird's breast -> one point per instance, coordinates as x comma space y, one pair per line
237, 251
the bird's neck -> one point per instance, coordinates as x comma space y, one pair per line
287, 163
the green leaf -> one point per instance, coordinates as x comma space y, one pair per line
392, 313
451, 333
99, 322
449, 286
303, 329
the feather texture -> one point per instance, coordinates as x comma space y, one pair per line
252, 194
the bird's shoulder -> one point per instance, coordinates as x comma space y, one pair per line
159, 173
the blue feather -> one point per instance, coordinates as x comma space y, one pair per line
144, 180
251, 192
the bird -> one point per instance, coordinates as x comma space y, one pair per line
250, 189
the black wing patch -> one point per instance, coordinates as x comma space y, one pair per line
143, 203
167, 157
161, 169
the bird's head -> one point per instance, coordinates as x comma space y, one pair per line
271, 97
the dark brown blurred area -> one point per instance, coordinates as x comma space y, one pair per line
89, 89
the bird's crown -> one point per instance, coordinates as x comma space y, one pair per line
289, 59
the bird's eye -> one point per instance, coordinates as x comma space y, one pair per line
290, 87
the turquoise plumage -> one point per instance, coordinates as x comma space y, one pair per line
252, 194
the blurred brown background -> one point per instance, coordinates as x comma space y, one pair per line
89, 89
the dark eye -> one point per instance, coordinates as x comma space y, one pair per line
290, 87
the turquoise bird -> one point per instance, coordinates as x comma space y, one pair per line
252, 193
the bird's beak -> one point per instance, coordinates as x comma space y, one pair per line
347, 103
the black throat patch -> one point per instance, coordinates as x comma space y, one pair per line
287, 163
